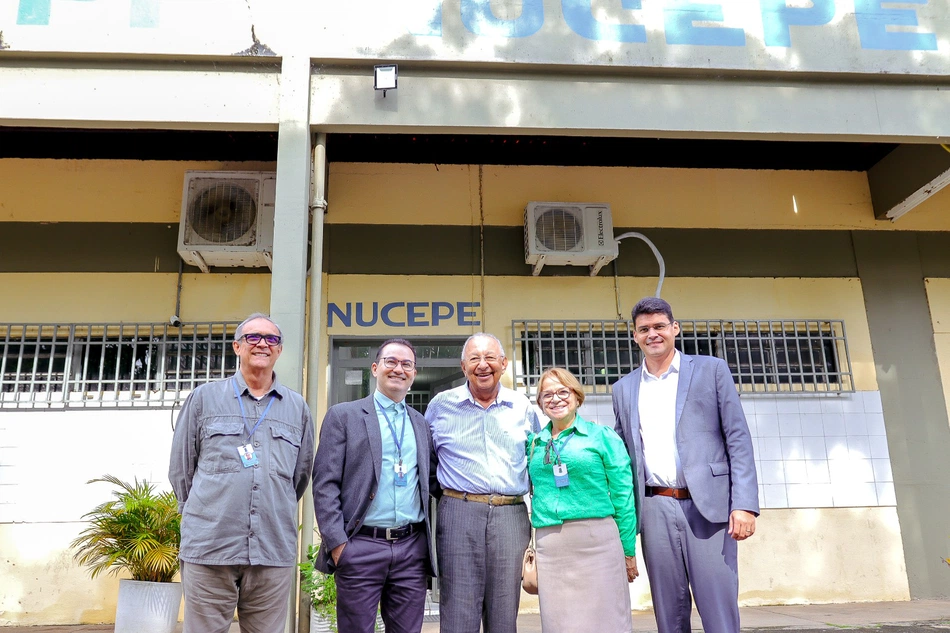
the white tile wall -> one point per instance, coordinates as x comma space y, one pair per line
832, 448
811, 451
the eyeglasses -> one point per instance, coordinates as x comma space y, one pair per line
562, 394
254, 338
477, 360
659, 328
390, 363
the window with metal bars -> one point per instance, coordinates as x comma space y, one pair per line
764, 356
116, 365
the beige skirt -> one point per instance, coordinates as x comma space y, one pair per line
582, 578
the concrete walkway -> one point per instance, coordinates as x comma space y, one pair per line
916, 616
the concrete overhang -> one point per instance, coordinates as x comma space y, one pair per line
906, 177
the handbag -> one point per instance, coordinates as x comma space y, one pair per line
529, 572
529, 566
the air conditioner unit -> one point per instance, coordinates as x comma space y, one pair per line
568, 234
227, 218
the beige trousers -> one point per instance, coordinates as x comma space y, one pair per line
212, 592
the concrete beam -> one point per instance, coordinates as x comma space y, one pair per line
440, 100
149, 96
906, 177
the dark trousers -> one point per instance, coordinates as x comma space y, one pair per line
682, 550
390, 574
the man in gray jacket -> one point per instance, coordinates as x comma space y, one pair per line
371, 498
240, 461
697, 493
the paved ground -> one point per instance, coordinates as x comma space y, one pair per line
917, 616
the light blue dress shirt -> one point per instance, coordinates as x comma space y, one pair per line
395, 506
481, 451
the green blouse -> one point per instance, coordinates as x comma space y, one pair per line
601, 482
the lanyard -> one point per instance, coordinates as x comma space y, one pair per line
244, 415
392, 429
557, 451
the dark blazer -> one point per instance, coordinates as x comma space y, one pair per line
712, 437
346, 473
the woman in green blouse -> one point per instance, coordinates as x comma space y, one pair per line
583, 513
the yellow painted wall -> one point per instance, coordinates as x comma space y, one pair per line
42, 190
130, 297
508, 298
639, 196
938, 295
823, 555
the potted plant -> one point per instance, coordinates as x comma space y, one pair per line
321, 588
139, 532
322, 591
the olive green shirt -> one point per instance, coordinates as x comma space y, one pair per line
601, 481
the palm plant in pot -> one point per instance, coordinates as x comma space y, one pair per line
138, 531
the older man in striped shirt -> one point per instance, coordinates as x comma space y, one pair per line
479, 431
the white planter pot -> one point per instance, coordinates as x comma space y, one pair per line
319, 624
147, 607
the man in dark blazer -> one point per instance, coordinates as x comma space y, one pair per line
697, 493
370, 495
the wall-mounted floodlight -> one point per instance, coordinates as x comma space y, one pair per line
384, 77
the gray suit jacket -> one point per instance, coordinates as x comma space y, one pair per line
346, 473
712, 437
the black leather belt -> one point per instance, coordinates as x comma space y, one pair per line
392, 534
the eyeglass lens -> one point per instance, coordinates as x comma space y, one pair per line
255, 338
391, 363
659, 327
562, 394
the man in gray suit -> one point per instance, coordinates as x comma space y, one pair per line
697, 493
370, 495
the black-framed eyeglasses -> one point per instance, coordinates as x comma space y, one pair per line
253, 338
561, 394
659, 328
390, 363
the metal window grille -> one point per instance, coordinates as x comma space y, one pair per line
418, 400
764, 356
116, 365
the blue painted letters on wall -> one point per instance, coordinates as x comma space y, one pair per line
478, 18
579, 16
679, 16
143, 13
778, 18
403, 313
874, 20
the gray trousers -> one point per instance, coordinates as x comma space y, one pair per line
480, 549
212, 592
683, 550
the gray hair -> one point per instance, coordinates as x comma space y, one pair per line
239, 332
483, 335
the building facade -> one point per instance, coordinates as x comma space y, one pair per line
784, 160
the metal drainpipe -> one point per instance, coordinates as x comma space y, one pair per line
318, 207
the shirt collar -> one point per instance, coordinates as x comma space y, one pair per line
387, 403
580, 426
499, 400
674, 367
275, 388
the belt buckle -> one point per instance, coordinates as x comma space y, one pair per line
402, 531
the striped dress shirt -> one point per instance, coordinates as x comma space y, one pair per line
481, 451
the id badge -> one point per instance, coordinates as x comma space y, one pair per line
561, 480
248, 457
400, 471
